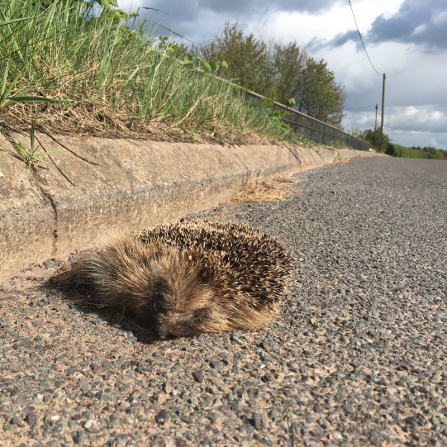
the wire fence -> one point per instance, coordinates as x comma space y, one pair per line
314, 129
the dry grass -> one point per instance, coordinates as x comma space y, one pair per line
265, 190
341, 160
81, 120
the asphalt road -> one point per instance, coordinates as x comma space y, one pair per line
357, 357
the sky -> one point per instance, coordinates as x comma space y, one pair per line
405, 39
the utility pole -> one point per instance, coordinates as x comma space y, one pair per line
375, 125
383, 103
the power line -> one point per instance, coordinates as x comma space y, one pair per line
361, 38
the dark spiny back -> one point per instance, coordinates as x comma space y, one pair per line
236, 256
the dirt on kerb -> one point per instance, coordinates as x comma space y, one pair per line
265, 190
91, 121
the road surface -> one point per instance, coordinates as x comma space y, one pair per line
357, 357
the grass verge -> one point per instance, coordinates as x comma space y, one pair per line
113, 81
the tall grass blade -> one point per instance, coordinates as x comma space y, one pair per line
35, 99
10, 22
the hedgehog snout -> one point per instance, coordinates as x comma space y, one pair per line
170, 323
162, 330
179, 323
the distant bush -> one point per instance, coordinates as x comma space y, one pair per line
397, 150
401, 151
434, 154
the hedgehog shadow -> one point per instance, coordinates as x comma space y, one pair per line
181, 279
118, 319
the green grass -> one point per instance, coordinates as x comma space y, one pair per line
112, 78
396, 150
402, 151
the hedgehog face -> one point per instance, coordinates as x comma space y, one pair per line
181, 297
180, 324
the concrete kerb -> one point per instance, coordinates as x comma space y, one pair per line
107, 185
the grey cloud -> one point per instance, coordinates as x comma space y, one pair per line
397, 94
417, 127
250, 6
339, 40
397, 118
416, 22
403, 27
364, 101
203, 19
408, 131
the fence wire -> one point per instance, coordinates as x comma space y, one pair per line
314, 129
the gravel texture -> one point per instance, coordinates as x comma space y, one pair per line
357, 357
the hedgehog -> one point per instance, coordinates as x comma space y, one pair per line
188, 277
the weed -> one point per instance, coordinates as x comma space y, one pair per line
31, 158
278, 115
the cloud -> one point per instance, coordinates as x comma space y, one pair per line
199, 20
417, 119
233, 7
413, 77
419, 23
408, 126
254, 6
340, 39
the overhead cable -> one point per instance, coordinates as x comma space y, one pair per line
361, 38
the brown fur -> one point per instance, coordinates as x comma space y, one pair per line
187, 277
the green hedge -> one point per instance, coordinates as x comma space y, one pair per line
401, 151
396, 150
